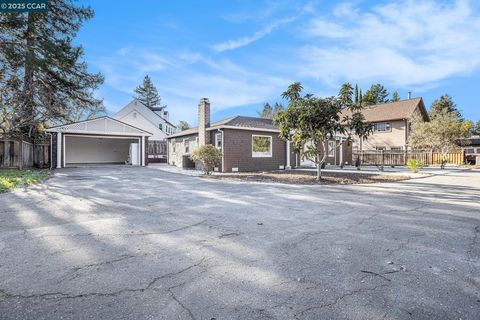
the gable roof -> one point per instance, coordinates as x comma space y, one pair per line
403, 109
100, 125
237, 122
145, 111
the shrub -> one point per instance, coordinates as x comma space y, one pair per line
414, 165
208, 155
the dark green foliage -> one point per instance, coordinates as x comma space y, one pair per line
44, 79
270, 112
346, 94
445, 103
147, 93
395, 97
183, 125
375, 95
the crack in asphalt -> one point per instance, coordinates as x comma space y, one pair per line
121, 234
337, 300
61, 295
180, 303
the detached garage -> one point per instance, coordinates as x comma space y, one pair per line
98, 141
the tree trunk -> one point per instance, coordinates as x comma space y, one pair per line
319, 171
28, 103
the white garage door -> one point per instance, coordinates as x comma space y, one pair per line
97, 150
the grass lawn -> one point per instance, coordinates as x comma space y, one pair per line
309, 177
13, 178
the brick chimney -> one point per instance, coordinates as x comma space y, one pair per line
203, 121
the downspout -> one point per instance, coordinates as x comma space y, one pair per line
223, 143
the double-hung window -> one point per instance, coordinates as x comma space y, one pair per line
381, 127
218, 140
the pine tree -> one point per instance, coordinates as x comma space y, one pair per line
395, 97
46, 81
269, 112
356, 95
375, 95
360, 99
183, 125
147, 93
445, 103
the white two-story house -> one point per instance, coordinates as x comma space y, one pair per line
154, 120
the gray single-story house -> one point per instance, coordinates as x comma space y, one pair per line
247, 144
102, 140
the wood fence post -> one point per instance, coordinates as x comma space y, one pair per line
20, 156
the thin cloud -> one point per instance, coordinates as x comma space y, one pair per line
403, 43
244, 41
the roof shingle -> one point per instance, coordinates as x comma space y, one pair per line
403, 109
238, 121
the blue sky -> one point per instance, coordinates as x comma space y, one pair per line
241, 54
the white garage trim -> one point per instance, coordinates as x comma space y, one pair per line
103, 127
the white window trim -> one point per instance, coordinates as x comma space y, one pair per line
216, 140
331, 150
185, 144
262, 155
387, 123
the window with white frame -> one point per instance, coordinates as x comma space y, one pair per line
380, 148
261, 146
381, 127
218, 140
396, 149
470, 150
186, 146
174, 146
331, 149
160, 126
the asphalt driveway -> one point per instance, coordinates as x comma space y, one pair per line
141, 243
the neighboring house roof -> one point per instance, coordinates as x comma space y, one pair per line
472, 141
399, 110
147, 112
100, 125
237, 122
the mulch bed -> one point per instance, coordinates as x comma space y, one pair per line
308, 177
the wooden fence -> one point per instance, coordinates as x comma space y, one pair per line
157, 151
23, 154
399, 158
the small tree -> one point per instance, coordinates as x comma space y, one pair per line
440, 134
208, 155
395, 97
310, 122
147, 93
183, 125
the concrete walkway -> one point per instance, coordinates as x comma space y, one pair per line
142, 243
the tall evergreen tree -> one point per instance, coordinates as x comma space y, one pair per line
360, 99
445, 103
183, 125
356, 95
375, 95
45, 79
269, 112
346, 94
147, 93
395, 97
